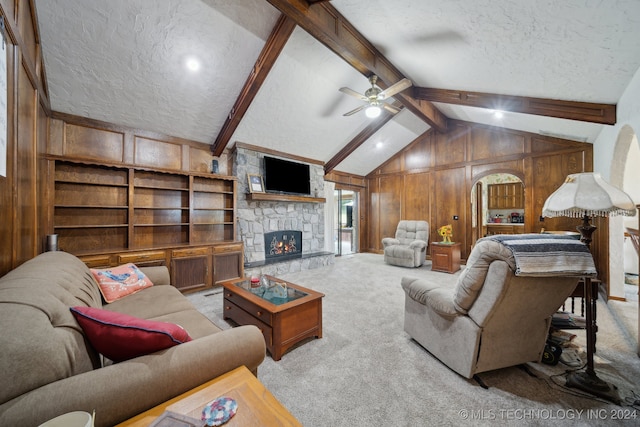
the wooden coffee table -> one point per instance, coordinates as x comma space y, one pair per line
283, 322
256, 405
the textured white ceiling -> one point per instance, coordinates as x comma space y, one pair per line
581, 50
122, 61
308, 120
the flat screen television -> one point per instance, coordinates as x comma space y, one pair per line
285, 176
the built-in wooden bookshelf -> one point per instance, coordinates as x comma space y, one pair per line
100, 207
110, 214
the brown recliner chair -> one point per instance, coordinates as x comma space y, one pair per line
495, 316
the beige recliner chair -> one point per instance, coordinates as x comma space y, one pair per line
496, 316
409, 247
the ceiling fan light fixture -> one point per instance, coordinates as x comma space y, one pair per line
373, 111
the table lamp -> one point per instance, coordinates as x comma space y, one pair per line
585, 195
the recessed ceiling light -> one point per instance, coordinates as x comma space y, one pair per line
192, 64
379, 144
498, 114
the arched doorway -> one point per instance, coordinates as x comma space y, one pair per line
630, 186
497, 205
624, 175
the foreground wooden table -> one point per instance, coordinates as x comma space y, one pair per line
256, 405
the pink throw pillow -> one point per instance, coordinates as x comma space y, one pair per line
120, 281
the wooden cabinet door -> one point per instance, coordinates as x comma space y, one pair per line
228, 262
492, 193
506, 196
190, 273
518, 198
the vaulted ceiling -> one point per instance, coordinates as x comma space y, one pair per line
269, 71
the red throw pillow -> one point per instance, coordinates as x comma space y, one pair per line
120, 337
120, 281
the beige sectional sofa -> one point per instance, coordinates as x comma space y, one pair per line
48, 367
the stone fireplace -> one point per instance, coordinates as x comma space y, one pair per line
257, 219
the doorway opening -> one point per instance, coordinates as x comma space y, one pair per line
345, 222
497, 206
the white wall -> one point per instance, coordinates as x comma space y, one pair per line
609, 153
631, 187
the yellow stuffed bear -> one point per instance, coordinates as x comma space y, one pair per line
445, 231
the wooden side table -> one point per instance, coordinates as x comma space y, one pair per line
256, 405
445, 257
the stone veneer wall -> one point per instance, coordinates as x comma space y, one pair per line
257, 218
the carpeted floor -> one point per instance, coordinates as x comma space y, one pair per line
366, 370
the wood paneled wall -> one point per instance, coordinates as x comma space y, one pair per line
21, 216
432, 179
80, 138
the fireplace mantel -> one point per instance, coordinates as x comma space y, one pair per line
271, 197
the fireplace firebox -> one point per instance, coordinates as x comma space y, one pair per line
282, 245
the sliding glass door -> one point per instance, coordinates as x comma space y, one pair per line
345, 222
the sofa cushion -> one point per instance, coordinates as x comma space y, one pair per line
120, 336
120, 281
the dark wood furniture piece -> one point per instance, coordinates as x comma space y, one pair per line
256, 405
506, 196
112, 214
282, 325
506, 228
445, 257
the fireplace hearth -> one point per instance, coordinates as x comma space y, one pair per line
282, 245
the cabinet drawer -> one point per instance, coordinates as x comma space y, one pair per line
249, 307
241, 317
181, 253
97, 261
231, 247
139, 257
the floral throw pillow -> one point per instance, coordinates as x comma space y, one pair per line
118, 282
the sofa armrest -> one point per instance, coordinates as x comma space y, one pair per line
120, 391
390, 241
438, 298
159, 275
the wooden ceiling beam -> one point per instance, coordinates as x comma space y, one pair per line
356, 142
323, 22
574, 110
270, 52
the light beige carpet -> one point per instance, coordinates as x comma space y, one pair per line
366, 371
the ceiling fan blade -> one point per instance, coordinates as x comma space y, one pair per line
355, 110
390, 108
353, 93
395, 88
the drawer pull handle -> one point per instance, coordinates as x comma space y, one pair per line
227, 308
229, 295
259, 313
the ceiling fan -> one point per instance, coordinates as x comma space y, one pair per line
375, 97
